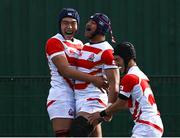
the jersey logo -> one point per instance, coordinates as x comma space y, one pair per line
91, 57
72, 52
71, 112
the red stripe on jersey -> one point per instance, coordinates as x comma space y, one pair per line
87, 64
50, 103
158, 113
76, 46
84, 85
144, 84
72, 61
54, 45
130, 103
99, 100
95, 72
91, 49
135, 110
151, 124
151, 99
128, 82
108, 57
69, 83
81, 86
139, 114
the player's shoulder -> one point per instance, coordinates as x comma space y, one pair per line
136, 71
54, 38
102, 45
78, 41
53, 41
79, 44
106, 45
54, 44
130, 76
131, 79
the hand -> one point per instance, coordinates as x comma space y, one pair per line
108, 118
95, 118
101, 83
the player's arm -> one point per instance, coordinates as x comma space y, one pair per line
113, 80
65, 70
55, 49
120, 104
127, 84
112, 74
106, 114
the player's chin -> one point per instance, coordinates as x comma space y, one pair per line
69, 36
88, 34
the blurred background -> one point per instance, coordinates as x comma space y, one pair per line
153, 26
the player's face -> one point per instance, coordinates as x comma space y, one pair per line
90, 28
119, 62
68, 27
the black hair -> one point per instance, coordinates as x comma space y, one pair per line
126, 51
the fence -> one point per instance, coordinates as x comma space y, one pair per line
23, 107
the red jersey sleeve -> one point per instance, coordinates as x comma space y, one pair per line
127, 84
107, 57
54, 45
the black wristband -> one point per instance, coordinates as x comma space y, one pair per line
103, 113
123, 97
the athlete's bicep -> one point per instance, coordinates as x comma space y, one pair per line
60, 62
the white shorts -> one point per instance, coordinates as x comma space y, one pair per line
143, 130
91, 105
59, 109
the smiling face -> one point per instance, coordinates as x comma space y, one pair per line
68, 27
90, 28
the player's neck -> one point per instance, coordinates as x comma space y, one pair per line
97, 39
131, 63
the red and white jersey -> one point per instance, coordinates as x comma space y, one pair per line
142, 105
57, 45
94, 59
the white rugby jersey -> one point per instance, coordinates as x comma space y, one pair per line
142, 104
93, 60
61, 87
